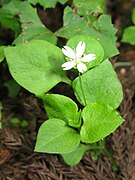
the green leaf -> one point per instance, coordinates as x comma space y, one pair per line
73, 25
133, 16
74, 157
100, 120
36, 65
102, 30
35, 33
15, 17
88, 7
92, 47
8, 18
46, 3
99, 84
59, 106
24, 124
0, 115
129, 35
2, 53
129, 32
15, 121
55, 136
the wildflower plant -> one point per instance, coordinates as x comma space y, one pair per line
38, 65
97, 88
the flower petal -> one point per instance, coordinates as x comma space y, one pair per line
81, 67
88, 57
68, 65
67, 51
80, 49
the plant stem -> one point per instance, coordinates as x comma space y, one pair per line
82, 89
122, 64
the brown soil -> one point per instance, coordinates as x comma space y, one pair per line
19, 162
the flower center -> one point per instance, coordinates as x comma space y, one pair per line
77, 61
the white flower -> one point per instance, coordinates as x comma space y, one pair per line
77, 59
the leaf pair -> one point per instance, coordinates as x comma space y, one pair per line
37, 65
99, 120
57, 136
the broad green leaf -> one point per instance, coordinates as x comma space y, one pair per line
36, 65
15, 17
133, 16
55, 136
13, 88
36, 33
9, 19
74, 157
2, 53
100, 120
99, 84
85, 7
46, 3
59, 106
102, 30
73, 25
0, 115
129, 35
92, 47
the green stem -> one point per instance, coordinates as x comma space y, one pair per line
122, 64
82, 89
